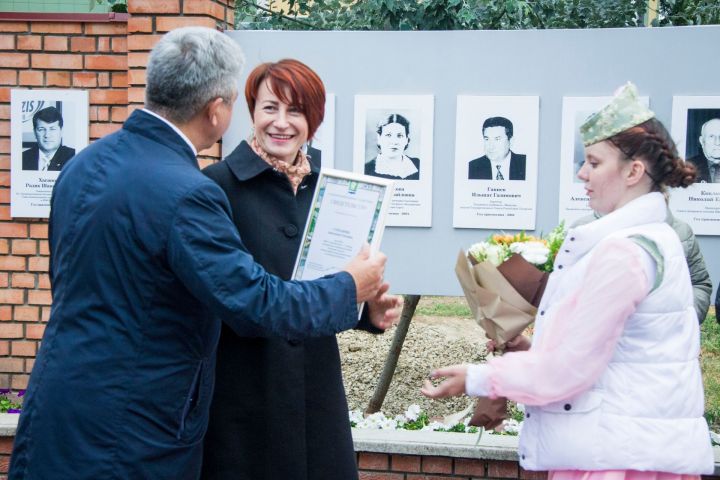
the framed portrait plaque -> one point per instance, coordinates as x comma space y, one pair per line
347, 210
393, 139
48, 127
496, 162
696, 130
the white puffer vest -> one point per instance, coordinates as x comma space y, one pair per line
646, 411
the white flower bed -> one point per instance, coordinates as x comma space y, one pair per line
415, 419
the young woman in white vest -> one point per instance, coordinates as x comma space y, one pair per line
611, 380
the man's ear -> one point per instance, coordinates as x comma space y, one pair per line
211, 110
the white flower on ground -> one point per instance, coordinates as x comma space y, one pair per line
356, 416
512, 426
534, 252
413, 412
434, 426
387, 424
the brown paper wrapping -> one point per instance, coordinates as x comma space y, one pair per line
497, 307
501, 311
489, 412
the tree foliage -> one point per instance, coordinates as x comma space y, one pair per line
688, 12
468, 14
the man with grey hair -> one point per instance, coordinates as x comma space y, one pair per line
707, 161
144, 260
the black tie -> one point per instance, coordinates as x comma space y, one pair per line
499, 175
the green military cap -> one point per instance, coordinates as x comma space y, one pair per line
625, 110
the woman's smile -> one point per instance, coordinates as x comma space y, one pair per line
280, 129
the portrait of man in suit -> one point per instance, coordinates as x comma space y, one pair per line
49, 154
707, 161
499, 161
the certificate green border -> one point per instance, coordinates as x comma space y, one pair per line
352, 184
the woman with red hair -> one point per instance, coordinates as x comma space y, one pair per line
279, 410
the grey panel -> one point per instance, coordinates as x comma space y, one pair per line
549, 63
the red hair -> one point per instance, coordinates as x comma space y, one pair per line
292, 77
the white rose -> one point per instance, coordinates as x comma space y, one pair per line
479, 251
534, 252
495, 254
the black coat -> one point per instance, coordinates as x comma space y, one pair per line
481, 168
279, 410
370, 170
702, 166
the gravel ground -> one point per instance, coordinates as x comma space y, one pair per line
431, 342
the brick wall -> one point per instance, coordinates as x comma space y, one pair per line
381, 466
105, 54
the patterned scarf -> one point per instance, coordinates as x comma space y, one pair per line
295, 172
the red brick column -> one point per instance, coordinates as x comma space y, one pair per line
47, 54
149, 20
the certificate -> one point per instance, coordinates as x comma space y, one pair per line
348, 209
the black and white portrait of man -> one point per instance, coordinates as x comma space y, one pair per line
48, 153
499, 161
702, 146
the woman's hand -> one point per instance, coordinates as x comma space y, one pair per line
452, 386
517, 344
384, 309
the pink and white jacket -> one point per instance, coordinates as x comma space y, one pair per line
612, 380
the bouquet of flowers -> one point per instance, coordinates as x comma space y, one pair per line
503, 279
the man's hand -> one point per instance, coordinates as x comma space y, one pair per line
384, 309
367, 271
452, 386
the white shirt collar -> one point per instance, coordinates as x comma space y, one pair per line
172, 125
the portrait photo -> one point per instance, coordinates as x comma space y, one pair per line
388, 135
43, 147
578, 148
393, 140
321, 148
498, 162
494, 135
573, 202
702, 144
48, 127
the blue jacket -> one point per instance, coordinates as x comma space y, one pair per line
144, 260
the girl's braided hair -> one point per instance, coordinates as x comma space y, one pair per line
651, 142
